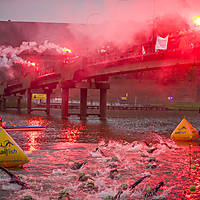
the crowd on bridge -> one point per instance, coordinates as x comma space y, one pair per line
137, 49
176, 41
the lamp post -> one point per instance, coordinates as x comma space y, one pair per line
154, 14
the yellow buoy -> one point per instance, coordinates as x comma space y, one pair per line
184, 131
186, 143
11, 155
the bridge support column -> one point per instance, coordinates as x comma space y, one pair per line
48, 93
29, 101
103, 100
65, 99
19, 103
0, 103
198, 90
83, 103
4, 104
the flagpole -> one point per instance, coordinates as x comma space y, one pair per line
154, 13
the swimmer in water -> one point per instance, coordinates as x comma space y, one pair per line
112, 172
151, 150
137, 182
117, 196
100, 151
15, 179
154, 191
78, 165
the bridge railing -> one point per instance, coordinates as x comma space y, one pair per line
130, 57
119, 57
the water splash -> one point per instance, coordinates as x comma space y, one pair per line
49, 170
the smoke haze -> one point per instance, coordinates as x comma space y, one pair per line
118, 21
122, 20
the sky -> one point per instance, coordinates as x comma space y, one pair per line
119, 19
125, 20
75, 11
91, 11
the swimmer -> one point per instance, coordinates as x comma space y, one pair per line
151, 150
100, 151
137, 182
78, 165
15, 179
111, 173
154, 191
117, 196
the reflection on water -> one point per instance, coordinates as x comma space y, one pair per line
32, 140
35, 121
33, 136
136, 147
73, 133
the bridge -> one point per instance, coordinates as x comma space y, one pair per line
44, 72
87, 73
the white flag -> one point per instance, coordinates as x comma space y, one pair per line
143, 50
161, 43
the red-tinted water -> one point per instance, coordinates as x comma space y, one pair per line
123, 141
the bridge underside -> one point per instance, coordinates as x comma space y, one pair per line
83, 87
83, 75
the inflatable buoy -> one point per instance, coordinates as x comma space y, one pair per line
186, 143
184, 132
11, 155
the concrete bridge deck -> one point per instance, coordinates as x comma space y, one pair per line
87, 73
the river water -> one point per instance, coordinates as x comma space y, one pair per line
123, 140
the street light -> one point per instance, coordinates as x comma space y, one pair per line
196, 20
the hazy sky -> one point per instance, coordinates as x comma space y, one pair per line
74, 10
51, 10
90, 11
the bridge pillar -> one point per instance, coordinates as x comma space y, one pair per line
83, 103
198, 90
48, 93
0, 103
19, 103
29, 101
4, 104
65, 99
103, 100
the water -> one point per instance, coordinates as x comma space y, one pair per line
122, 138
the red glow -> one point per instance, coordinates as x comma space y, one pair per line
67, 61
33, 136
73, 133
33, 142
196, 20
29, 63
32, 64
66, 50
35, 122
